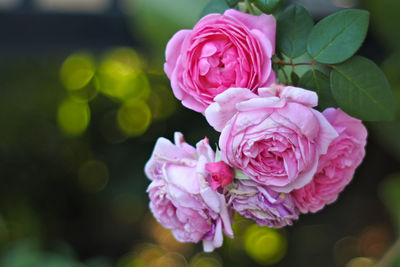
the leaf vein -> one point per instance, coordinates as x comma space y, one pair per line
361, 89
334, 38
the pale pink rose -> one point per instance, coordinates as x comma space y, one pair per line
181, 198
337, 167
275, 138
222, 51
221, 174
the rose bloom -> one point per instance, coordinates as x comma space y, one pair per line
222, 51
336, 168
221, 174
275, 138
265, 206
181, 198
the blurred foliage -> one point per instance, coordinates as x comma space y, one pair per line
28, 253
385, 19
389, 132
162, 19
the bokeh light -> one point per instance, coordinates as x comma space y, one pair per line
73, 117
121, 77
375, 240
205, 260
134, 117
171, 259
77, 71
235, 246
265, 245
93, 176
165, 238
345, 249
150, 255
361, 262
85, 94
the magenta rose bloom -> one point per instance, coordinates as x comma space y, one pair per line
181, 198
222, 51
275, 137
336, 168
221, 174
265, 206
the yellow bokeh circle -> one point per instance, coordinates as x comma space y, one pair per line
134, 117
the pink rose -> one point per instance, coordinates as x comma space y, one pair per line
181, 198
263, 205
337, 167
222, 51
275, 138
221, 174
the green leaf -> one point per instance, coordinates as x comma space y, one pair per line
338, 36
361, 89
268, 6
295, 78
240, 175
318, 82
215, 6
386, 18
293, 26
232, 3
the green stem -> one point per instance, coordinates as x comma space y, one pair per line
284, 73
281, 62
291, 62
249, 7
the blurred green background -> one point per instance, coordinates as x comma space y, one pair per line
83, 100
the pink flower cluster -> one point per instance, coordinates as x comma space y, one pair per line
278, 156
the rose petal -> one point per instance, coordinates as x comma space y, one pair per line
173, 51
220, 112
264, 23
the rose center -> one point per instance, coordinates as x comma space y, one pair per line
218, 65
